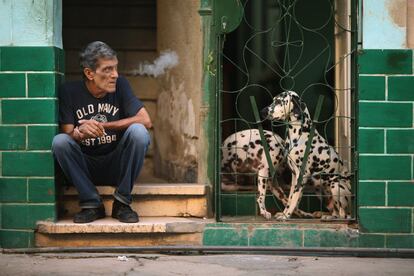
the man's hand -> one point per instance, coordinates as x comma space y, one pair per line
91, 129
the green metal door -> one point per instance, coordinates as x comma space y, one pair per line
266, 47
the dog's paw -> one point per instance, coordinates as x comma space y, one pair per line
281, 216
329, 217
320, 214
266, 215
335, 217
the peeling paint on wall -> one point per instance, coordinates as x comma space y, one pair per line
176, 111
410, 23
177, 124
385, 24
175, 131
397, 9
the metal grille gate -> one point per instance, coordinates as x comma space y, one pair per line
305, 46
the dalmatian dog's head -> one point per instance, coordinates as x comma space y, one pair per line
283, 106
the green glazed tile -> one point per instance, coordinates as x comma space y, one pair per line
371, 193
372, 88
13, 189
385, 220
401, 194
400, 241
384, 167
29, 111
329, 238
385, 114
12, 138
371, 240
16, 238
225, 236
276, 237
42, 190
40, 137
385, 62
12, 85
371, 141
43, 85
60, 60
29, 59
26, 216
28, 164
400, 88
400, 141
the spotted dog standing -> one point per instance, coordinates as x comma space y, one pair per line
324, 169
243, 152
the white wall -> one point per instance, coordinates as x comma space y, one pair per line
31, 23
384, 24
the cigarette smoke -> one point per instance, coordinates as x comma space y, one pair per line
167, 60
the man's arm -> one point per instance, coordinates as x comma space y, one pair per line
142, 117
87, 129
93, 129
69, 129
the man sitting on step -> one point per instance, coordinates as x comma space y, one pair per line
104, 134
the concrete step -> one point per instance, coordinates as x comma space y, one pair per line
110, 232
151, 200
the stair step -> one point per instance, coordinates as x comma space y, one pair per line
111, 225
110, 232
151, 200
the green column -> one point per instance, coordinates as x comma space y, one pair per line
385, 146
31, 68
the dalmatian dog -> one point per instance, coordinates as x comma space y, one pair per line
243, 152
324, 170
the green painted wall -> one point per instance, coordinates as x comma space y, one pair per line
386, 147
386, 128
31, 67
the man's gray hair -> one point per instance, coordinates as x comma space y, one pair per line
92, 52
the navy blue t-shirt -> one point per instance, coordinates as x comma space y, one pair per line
77, 103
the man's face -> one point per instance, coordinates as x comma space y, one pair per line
106, 74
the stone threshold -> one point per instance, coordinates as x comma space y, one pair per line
291, 223
152, 189
111, 225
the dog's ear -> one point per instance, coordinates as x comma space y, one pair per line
297, 106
